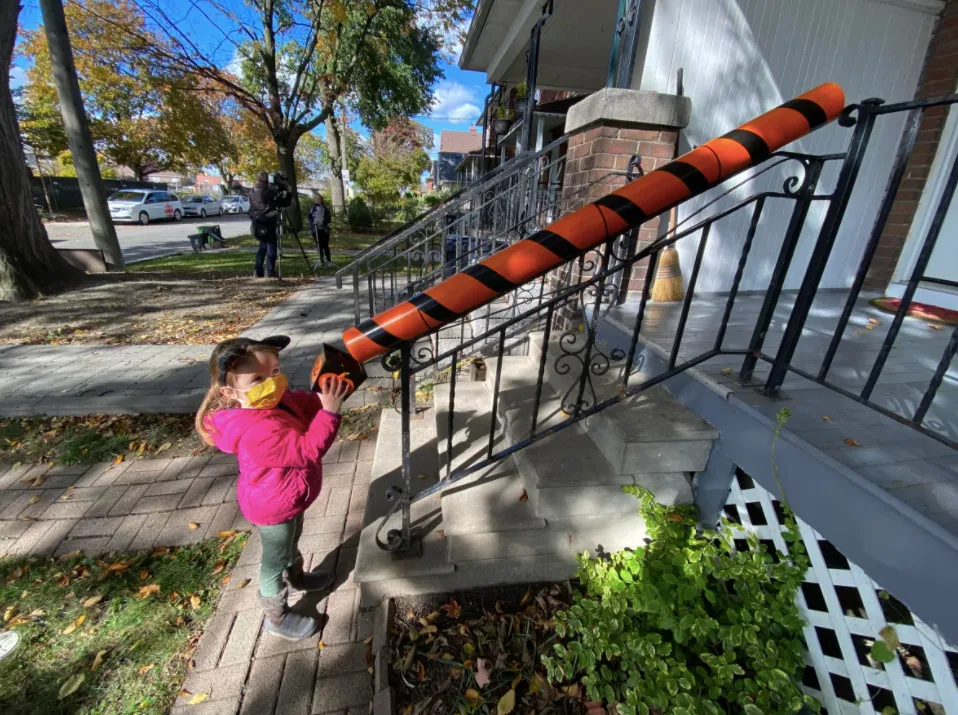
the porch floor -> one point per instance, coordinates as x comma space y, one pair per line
920, 471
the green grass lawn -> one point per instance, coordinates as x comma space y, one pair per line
228, 264
339, 240
100, 637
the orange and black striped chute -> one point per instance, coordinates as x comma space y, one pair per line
573, 234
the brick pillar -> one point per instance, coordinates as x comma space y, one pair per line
611, 126
939, 76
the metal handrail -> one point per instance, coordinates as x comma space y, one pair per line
501, 172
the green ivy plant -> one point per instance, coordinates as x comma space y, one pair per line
687, 625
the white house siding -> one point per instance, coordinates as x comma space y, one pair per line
743, 57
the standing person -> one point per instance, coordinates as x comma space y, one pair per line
265, 204
279, 437
319, 218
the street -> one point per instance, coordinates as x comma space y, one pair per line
142, 242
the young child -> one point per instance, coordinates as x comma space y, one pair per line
280, 437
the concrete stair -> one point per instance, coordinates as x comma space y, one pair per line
526, 516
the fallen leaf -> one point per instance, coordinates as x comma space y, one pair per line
675, 517
71, 555
159, 551
180, 621
15, 574
826, 418
852, 442
198, 698
73, 626
526, 598
524, 496
431, 618
473, 695
890, 636
144, 574
193, 526
483, 671
146, 669
226, 579
441, 534
40, 480
507, 703
452, 609
119, 458
98, 661
727, 371
92, 601
420, 672
33, 500
147, 591
71, 685
243, 584
357, 436
320, 645
163, 447
196, 601
406, 663
226, 534
421, 476
62, 580
117, 566
426, 630
935, 327
874, 321
218, 568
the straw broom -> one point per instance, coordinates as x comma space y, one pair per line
668, 286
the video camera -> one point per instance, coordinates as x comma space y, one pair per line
278, 180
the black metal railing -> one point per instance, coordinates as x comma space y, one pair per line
606, 376
508, 203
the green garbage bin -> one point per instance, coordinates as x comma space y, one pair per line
214, 236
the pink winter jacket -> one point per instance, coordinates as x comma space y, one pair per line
280, 454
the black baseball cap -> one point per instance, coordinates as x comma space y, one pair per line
236, 348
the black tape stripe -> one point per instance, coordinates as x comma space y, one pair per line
693, 178
489, 278
814, 114
555, 243
378, 334
754, 144
431, 307
629, 212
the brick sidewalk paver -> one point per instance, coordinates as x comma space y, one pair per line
149, 503
87, 379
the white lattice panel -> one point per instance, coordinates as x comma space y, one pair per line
844, 610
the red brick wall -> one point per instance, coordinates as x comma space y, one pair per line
938, 77
592, 155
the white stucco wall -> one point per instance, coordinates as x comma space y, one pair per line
743, 57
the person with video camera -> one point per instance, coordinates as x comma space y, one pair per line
266, 201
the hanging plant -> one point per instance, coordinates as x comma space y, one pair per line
687, 625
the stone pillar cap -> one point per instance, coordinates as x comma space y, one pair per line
629, 107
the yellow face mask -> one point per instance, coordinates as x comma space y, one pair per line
267, 394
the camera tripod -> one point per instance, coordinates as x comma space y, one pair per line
281, 230
320, 262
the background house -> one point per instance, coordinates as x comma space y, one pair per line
454, 147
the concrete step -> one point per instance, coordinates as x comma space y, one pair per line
490, 501
473, 416
372, 562
650, 432
568, 536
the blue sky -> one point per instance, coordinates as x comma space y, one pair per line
459, 95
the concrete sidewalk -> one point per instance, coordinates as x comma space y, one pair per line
87, 379
148, 503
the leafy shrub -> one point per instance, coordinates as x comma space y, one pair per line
687, 625
358, 215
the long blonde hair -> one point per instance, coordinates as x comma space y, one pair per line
240, 351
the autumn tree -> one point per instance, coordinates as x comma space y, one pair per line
299, 57
396, 160
29, 265
145, 117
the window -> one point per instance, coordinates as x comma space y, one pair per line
152, 199
127, 196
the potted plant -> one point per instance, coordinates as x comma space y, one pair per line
503, 120
520, 98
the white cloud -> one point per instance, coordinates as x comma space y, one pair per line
18, 76
455, 103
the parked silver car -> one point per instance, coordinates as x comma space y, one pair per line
202, 206
235, 204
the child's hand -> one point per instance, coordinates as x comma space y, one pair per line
332, 393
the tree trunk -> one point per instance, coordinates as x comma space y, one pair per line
335, 164
43, 183
344, 155
78, 133
285, 150
29, 265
